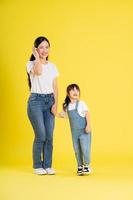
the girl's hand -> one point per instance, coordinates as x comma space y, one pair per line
87, 129
60, 115
35, 53
54, 109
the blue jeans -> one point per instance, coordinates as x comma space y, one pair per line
42, 121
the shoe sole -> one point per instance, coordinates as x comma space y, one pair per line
81, 174
40, 174
51, 174
87, 173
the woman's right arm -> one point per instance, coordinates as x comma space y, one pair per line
37, 68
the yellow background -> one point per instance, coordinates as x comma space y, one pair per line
92, 45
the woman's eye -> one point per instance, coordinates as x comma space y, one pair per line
44, 47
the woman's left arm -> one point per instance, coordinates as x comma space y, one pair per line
55, 88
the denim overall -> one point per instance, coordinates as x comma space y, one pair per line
42, 120
81, 139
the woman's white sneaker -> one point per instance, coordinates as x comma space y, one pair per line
50, 171
40, 171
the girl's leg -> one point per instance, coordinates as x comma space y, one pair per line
35, 115
77, 148
85, 142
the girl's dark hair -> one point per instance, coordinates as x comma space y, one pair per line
37, 41
67, 99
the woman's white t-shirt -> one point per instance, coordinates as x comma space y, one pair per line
43, 83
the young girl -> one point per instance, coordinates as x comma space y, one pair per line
79, 119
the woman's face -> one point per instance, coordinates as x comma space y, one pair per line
43, 49
74, 94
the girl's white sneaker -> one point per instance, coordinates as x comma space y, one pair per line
50, 171
40, 171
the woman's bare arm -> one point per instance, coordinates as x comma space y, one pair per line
37, 68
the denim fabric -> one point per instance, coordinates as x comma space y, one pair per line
81, 139
42, 121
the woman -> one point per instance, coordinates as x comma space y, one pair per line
42, 104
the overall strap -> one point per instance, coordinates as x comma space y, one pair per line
67, 108
77, 103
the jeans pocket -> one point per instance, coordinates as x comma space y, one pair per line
32, 98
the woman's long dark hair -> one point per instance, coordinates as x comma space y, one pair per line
37, 41
67, 99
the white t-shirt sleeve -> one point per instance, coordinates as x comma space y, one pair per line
84, 107
29, 66
55, 71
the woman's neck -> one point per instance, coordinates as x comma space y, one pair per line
43, 60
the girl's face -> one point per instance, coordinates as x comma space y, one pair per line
43, 49
74, 94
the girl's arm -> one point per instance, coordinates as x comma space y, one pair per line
55, 88
88, 127
62, 114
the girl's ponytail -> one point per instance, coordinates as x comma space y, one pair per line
66, 102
